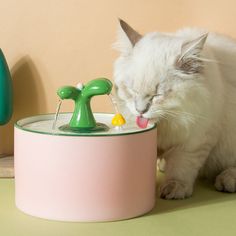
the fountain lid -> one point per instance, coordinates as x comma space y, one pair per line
42, 124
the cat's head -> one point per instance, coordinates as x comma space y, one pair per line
157, 73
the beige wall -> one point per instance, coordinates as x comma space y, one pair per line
49, 43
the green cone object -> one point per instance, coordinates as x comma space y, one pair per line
6, 91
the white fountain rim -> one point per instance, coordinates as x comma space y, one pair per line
20, 124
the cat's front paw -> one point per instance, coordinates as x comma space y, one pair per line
175, 189
226, 181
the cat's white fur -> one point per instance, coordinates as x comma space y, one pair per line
195, 111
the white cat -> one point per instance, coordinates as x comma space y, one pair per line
186, 82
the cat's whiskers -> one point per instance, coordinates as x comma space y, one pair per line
163, 116
191, 117
176, 114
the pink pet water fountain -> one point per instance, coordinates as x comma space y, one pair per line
82, 166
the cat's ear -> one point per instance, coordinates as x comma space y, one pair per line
127, 37
189, 60
132, 35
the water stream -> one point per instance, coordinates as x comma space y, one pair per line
114, 102
56, 115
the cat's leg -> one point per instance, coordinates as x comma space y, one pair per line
181, 171
226, 180
161, 160
161, 164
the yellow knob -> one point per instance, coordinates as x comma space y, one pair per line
118, 120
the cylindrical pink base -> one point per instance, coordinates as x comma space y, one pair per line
85, 178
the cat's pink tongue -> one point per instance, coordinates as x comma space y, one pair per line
141, 122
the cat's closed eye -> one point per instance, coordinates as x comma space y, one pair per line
157, 95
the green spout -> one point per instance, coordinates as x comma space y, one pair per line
82, 117
6, 91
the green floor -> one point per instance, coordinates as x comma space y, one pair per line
207, 213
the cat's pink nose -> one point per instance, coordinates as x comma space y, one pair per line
140, 111
142, 106
143, 110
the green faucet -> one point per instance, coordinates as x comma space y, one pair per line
6, 91
82, 118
